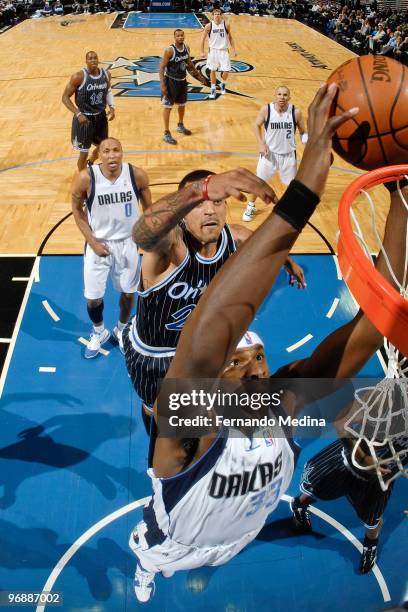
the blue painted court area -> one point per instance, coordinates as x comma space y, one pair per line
186, 21
73, 452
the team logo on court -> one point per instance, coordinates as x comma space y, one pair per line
139, 77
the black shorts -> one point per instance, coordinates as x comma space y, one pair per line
86, 134
176, 93
326, 476
145, 372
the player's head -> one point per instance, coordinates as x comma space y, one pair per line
111, 154
248, 360
205, 221
92, 60
282, 96
179, 36
217, 14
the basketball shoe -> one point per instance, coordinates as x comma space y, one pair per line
223, 90
368, 556
95, 342
143, 584
212, 95
169, 138
301, 516
183, 130
117, 334
249, 212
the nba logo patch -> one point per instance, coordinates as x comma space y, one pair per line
268, 438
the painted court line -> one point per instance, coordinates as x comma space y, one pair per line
89, 533
5, 340
17, 255
50, 311
336, 263
48, 370
300, 343
36, 269
351, 538
85, 343
48, 586
332, 308
17, 328
21, 278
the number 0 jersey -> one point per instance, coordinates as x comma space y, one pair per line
113, 207
280, 130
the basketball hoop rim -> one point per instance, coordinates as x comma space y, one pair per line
382, 304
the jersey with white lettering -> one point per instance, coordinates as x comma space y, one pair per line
90, 97
113, 207
163, 309
226, 494
177, 66
218, 36
280, 130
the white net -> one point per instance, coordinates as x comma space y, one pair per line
379, 420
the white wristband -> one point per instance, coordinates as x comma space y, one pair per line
304, 138
78, 114
109, 99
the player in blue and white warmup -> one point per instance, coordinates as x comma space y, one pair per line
219, 37
204, 508
176, 269
105, 205
275, 130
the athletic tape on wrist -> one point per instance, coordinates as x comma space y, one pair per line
297, 205
205, 187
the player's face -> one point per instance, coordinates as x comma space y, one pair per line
205, 221
92, 61
179, 38
110, 154
282, 97
247, 363
217, 16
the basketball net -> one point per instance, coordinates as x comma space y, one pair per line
379, 421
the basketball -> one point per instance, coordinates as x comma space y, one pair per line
378, 135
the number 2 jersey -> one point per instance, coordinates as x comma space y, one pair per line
112, 207
280, 130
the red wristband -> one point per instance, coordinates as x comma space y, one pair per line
205, 187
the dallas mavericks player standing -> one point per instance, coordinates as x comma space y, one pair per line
112, 192
219, 39
275, 128
205, 508
176, 269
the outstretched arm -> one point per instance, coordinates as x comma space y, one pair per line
229, 304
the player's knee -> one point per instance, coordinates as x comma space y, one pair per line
95, 310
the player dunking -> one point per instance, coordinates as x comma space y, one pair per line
212, 494
176, 269
173, 83
111, 192
275, 128
91, 87
219, 39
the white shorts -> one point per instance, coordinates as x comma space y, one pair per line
173, 556
284, 164
122, 264
219, 60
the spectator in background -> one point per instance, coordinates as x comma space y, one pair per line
47, 9
376, 39
58, 7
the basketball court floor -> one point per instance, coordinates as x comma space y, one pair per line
73, 450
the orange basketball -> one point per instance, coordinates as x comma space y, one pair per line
378, 135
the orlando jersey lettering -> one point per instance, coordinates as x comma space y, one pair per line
164, 308
177, 67
90, 97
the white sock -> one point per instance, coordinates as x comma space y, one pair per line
213, 87
99, 328
121, 326
251, 204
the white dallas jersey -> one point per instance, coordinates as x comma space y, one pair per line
226, 495
218, 36
280, 130
113, 207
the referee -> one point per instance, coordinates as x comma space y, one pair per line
91, 87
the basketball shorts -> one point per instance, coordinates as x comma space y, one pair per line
174, 556
218, 59
176, 93
145, 370
83, 136
284, 164
122, 264
327, 476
